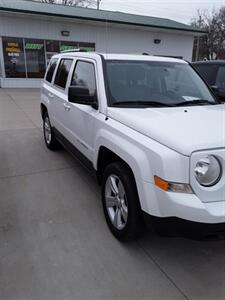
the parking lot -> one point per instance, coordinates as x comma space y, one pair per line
54, 242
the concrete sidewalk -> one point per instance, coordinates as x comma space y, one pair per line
54, 242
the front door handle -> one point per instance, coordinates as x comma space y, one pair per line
50, 95
66, 106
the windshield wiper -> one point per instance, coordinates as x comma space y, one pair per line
140, 103
195, 102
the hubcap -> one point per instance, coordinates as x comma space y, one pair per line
116, 202
47, 128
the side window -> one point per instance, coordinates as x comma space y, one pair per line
63, 72
220, 80
51, 69
84, 76
208, 72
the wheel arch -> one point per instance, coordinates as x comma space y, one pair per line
110, 150
43, 110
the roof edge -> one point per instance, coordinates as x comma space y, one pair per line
23, 11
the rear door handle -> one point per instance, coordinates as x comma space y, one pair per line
66, 106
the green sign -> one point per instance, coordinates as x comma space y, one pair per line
67, 47
88, 49
33, 46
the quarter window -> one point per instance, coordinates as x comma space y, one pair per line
51, 69
63, 72
84, 76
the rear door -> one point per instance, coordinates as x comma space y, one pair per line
58, 95
47, 89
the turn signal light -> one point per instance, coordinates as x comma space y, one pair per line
172, 186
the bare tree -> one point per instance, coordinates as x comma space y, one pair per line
80, 3
211, 45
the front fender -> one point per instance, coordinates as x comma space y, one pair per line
133, 155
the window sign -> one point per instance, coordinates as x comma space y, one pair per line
34, 46
65, 46
35, 58
89, 47
14, 57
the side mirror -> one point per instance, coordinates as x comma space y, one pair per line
215, 89
81, 95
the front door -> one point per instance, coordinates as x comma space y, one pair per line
81, 118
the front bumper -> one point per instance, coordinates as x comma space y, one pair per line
184, 206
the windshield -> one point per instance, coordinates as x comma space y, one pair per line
137, 83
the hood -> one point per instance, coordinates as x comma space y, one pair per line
183, 129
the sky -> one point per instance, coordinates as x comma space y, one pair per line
179, 10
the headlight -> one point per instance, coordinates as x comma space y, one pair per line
208, 171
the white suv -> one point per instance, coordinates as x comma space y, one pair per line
150, 128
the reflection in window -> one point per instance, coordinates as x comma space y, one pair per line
84, 76
14, 57
35, 58
63, 72
51, 69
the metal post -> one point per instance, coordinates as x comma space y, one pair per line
98, 4
2, 66
197, 49
198, 41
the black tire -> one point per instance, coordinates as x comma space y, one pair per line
50, 141
133, 226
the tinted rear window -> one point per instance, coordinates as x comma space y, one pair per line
51, 69
63, 72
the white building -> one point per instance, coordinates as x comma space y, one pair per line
31, 32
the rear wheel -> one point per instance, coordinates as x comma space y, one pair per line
49, 136
120, 202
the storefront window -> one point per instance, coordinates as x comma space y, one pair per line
14, 57
27, 58
64, 46
52, 46
89, 47
35, 58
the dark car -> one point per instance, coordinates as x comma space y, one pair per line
214, 74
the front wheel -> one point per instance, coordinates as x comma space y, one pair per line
120, 202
